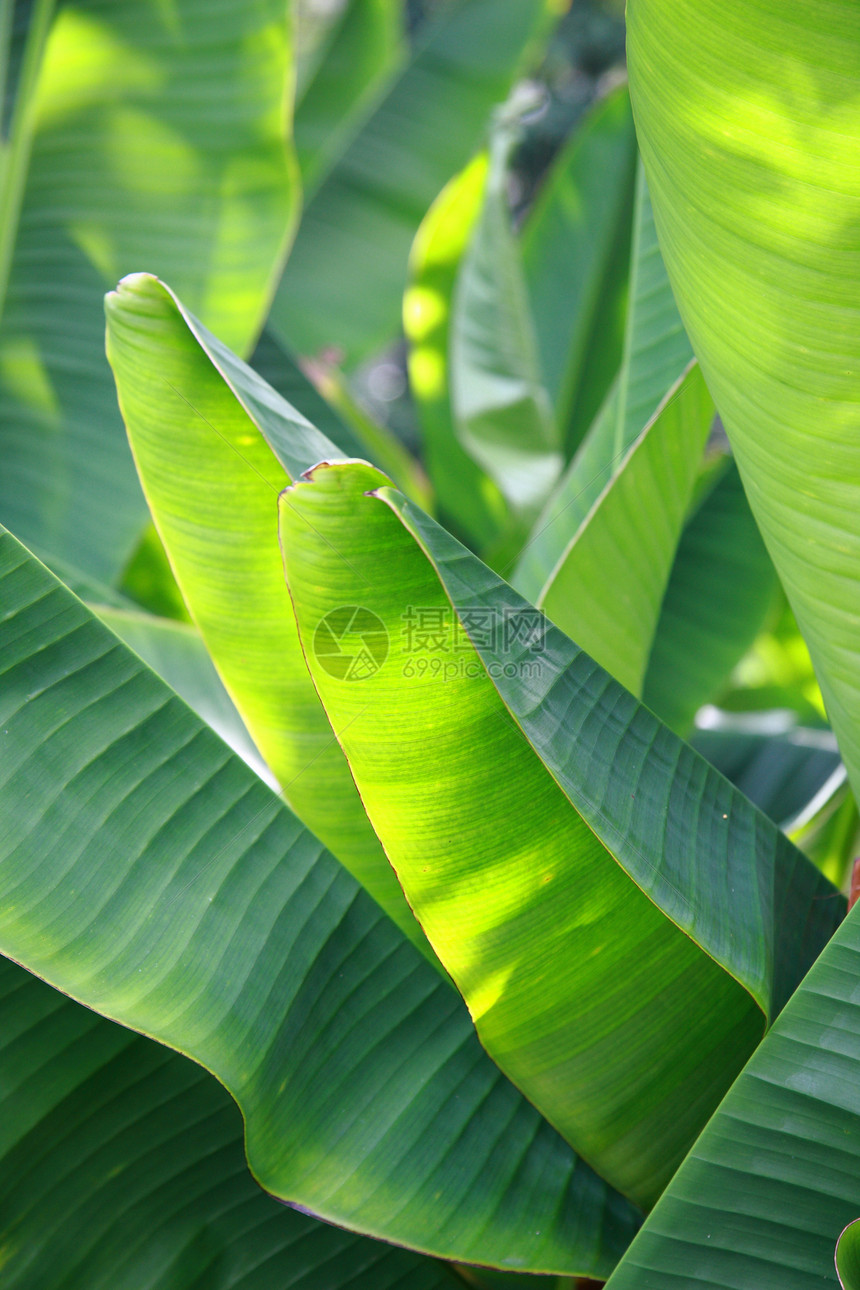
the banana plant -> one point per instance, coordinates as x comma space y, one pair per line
438, 876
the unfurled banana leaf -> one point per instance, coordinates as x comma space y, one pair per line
147, 135
343, 285
576, 253
198, 422
618, 917
775, 1177
748, 122
121, 1168
147, 872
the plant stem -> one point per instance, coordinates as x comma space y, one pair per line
16, 158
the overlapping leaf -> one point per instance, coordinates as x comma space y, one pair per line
721, 589
468, 499
121, 1168
196, 419
748, 122
148, 873
609, 906
774, 1178
607, 589
158, 139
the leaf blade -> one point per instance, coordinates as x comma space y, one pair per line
125, 1168
157, 880
426, 742
756, 192
125, 170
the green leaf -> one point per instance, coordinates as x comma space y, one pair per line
502, 412
656, 348
148, 873
848, 1257
604, 900
205, 431
467, 498
576, 252
343, 285
656, 353
775, 1177
777, 764
748, 126
121, 1168
350, 69
828, 830
607, 589
722, 586
175, 651
148, 580
158, 140
777, 672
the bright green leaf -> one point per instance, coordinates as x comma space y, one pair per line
656, 352
467, 498
196, 419
607, 589
568, 857
149, 874
848, 1257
